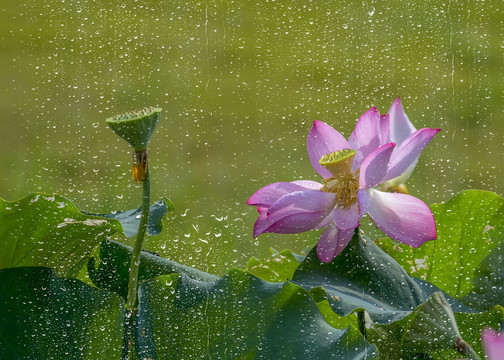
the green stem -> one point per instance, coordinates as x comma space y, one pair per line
128, 335
135, 256
362, 322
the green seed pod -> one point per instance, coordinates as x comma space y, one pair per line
136, 126
339, 162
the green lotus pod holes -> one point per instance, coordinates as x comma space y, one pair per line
338, 162
136, 126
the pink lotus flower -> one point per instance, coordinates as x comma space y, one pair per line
493, 342
380, 149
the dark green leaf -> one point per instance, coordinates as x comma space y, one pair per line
364, 277
239, 316
48, 230
280, 266
47, 317
112, 272
468, 227
130, 219
432, 326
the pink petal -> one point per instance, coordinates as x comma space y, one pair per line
266, 196
364, 200
375, 166
385, 129
401, 179
400, 126
408, 151
306, 200
332, 242
260, 224
327, 244
402, 217
323, 140
308, 184
346, 218
295, 212
493, 342
327, 220
366, 136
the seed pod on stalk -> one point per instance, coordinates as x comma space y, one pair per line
137, 127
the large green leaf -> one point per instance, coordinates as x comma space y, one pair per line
48, 230
278, 267
130, 219
111, 271
44, 316
433, 329
232, 308
432, 326
365, 277
488, 282
468, 227
238, 316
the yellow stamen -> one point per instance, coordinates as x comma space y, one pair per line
394, 188
401, 188
345, 187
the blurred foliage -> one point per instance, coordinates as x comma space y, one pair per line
240, 84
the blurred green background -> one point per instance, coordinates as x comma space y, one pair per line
240, 83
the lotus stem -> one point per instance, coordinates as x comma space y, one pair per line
135, 256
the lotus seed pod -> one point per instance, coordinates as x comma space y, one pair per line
338, 162
136, 126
